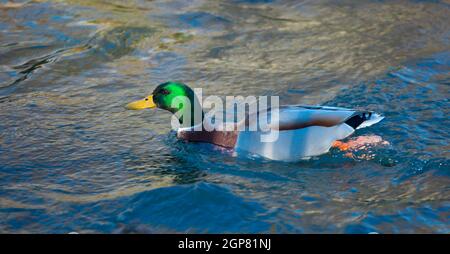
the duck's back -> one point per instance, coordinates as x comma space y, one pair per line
303, 131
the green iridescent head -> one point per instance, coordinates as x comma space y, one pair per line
169, 96
175, 97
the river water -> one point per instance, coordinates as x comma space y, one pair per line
73, 159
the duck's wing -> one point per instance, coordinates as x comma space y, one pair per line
301, 116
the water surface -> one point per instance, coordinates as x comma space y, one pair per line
72, 159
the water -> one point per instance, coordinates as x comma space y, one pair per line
72, 159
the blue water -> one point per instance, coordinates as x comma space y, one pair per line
72, 159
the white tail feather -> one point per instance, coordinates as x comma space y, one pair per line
374, 118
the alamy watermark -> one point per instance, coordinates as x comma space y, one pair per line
235, 113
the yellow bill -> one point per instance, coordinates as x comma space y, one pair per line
147, 102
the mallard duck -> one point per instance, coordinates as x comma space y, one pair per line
304, 130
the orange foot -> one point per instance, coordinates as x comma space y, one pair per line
341, 145
359, 143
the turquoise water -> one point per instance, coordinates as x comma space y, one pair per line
72, 159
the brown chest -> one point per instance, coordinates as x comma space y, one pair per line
221, 138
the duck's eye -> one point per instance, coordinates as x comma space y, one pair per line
146, 99
165, 92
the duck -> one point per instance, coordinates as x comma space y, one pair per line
303, 131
